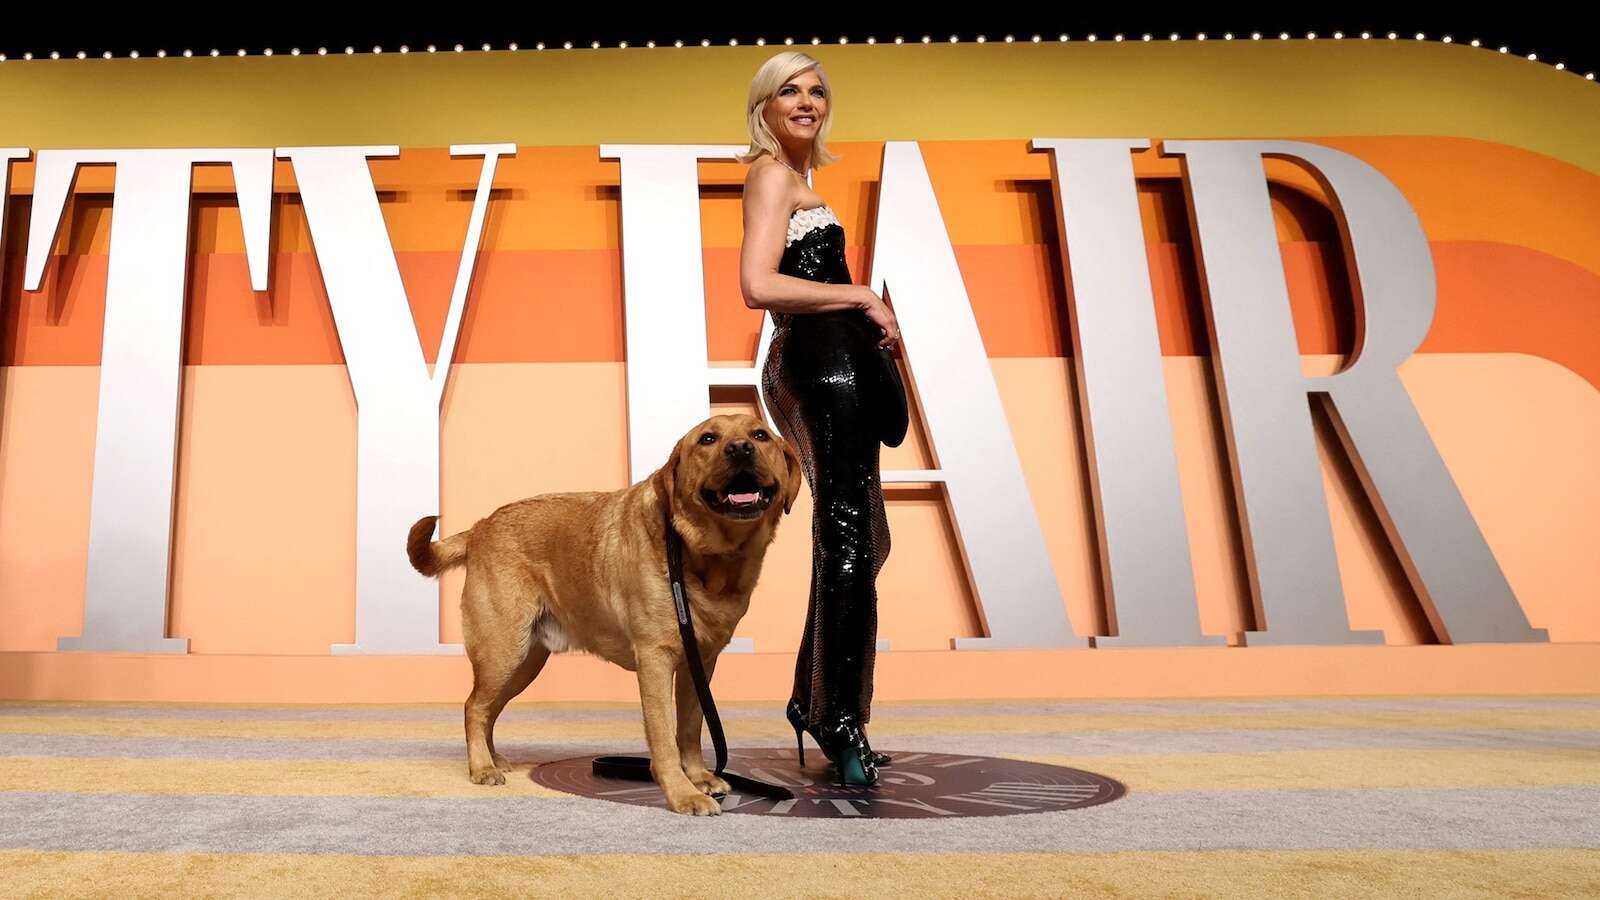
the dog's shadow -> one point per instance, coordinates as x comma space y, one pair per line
533, 753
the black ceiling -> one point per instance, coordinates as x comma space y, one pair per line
1555, 35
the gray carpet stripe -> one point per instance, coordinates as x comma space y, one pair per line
1477, 818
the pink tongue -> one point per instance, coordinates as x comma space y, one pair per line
742, 499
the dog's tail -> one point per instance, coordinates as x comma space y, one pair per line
431, 557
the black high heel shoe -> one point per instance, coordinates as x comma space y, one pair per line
842, 742
797, 720
852, 759
881, 760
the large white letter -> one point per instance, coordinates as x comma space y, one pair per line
663, 297
664, 302
1294, 578
1019, 599
668, 379
141, 369
397, 400
1122, 396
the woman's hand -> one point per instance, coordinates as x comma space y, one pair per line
882, 316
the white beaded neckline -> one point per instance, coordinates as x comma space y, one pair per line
805, 221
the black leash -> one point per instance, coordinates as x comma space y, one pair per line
637, 768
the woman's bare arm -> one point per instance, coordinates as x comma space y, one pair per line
768, 202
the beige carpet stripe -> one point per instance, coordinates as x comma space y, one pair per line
274, 778
1226, 873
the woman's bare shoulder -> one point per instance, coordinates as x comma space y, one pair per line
768, 176
768, 189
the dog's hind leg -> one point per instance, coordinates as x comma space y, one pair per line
499, 641
537, 656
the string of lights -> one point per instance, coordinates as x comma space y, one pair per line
514, 47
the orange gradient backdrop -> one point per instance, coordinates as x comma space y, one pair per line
1508, 382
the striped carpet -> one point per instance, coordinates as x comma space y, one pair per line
1346, 797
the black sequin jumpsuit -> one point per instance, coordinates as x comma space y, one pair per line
819, 386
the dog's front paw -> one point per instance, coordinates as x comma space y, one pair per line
488, 776
501, 763
708, 783
694, 803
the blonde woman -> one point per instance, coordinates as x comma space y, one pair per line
833, 390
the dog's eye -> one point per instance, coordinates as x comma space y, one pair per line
708, 438
760, 434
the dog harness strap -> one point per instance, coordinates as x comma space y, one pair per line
638, 768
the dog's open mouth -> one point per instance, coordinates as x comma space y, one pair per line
743, 497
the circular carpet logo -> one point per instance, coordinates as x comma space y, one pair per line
914, 786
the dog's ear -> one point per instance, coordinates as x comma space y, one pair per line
665, 478
794, 479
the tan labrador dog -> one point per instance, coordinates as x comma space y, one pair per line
588, 571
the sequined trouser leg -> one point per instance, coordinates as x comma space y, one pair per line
817, 388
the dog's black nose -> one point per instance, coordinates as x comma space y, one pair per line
740, 451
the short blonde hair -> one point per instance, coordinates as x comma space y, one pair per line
772, 75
